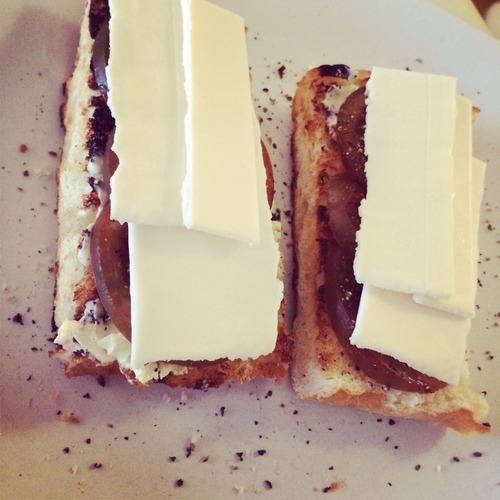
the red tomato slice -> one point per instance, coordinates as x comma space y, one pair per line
110, 263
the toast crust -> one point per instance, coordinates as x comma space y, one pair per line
320, 369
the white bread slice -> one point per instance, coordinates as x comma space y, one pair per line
320, 369
76, 303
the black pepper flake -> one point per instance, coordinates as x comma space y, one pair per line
26, 173
18, 318
222, 410
101, 381
190, 449
88, 440
239, 454
267, 484
66, 450
179, 483
172, 459
261, 452
281, 71
392, 421
86, 396
477, 454
417, 467
455, 459
96, 465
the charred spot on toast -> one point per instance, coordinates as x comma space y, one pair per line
101, 125
91, 201
91, 81
98, 15
335, 70
85, 291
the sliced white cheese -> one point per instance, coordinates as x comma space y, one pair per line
427, 339
466, 210
204, 293
219, 193
180, 94
405, 242
201, 296
146, 98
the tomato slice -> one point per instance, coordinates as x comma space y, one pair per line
110, 263
343, 198
341, 291
350, 134
342, 295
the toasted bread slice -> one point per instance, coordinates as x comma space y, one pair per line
77, 309
321, 369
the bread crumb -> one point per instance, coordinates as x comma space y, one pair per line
333, 486
66, 416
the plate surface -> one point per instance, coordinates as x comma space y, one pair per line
242, 440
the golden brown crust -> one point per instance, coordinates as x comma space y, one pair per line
321, 370
272, 366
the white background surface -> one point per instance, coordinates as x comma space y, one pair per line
239, 436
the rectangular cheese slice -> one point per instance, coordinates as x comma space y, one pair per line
147, 100
180, 94
203, 259
201, 296
219, 192
427, 339
466, 214
405, 242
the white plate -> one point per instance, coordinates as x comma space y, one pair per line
242, 436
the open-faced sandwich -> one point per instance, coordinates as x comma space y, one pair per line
168, 266
386, 209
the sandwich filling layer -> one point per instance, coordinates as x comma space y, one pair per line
388, 332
